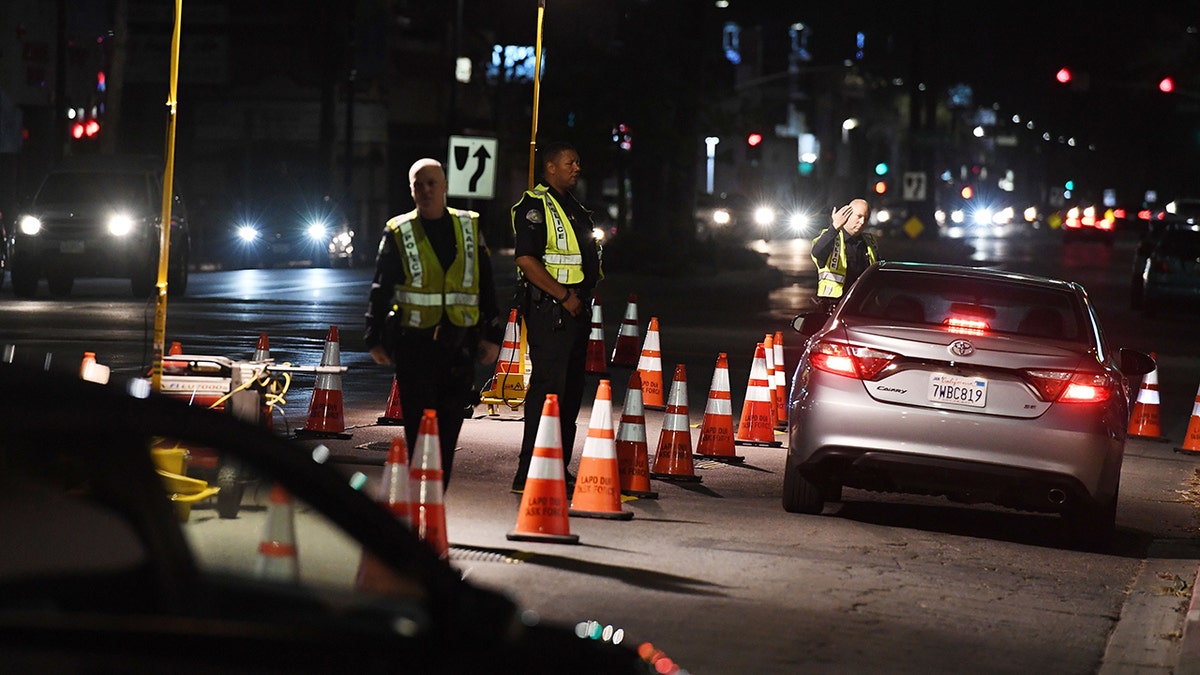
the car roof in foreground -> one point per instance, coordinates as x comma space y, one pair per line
982, 273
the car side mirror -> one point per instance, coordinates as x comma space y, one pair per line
808, 323
1135, 363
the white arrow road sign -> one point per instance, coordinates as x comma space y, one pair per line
471, 171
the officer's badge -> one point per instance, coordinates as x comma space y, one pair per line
533, 216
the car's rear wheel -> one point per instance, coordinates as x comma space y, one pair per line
60, 284
24, 281
800, 494
1092, 527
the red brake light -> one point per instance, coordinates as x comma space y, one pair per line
966, 326
842, 359
1066, 386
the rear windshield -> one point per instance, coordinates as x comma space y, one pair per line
1183, 244
985, 305
96, 188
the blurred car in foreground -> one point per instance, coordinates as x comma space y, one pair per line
103, 571
1171, 272
977, 385
98, 217
289, 233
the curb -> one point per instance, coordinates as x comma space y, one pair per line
1189, 644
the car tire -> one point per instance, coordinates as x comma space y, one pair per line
801, 494
177, 276
60, 284
229, 499
1092, 528
24, 281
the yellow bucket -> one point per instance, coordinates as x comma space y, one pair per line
185, 491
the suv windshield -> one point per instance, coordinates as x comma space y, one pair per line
95, 187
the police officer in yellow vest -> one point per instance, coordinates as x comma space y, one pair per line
558, 264
432, 310
843, 252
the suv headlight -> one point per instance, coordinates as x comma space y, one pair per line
120, 225
247, 233
30, 225
316, 231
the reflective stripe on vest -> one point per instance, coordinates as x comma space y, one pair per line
427, 290
562, 258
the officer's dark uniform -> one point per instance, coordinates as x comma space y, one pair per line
435, 367
557, 341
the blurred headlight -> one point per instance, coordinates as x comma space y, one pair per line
883, 215
120, 225
721, 217
1031, 214
957, 216
598, 233
982, 217
798, 221
764, 215
30, 225
316, 231
247, 233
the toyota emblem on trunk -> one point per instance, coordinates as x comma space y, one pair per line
961, 348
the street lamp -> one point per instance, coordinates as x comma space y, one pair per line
710, 145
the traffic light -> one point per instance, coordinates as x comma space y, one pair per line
1063, 75
881, 169
754, 143
880, 187
967, 192
1166, 85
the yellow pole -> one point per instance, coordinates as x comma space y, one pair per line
537, 86
160, 307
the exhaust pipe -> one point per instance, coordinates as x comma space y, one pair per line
1056, 496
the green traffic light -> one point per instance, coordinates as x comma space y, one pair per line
1070, 185
881, 168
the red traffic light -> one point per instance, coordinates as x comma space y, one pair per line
754, 139
1063, 75
967, 192
1166, 85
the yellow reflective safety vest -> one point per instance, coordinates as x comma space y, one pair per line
563, 259
426, 291
831, 273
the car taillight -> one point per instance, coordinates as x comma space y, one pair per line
966, 326
1067, 386
849, 361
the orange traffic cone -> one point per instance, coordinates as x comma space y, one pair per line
769, 352
1144, 421
326, 418
372, 575
650, 368
277, 548
598, 482
1191, 440
394, 414
509, 382
596, 364
673, 459
633, 460
262, 350
543, 512
757, 426
428, 507
781, 374
625, 350
176, 348
716, 432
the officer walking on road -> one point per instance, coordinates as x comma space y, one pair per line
558, 266
433, 309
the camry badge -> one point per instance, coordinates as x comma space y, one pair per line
961, 348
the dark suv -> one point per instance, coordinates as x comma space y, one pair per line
98, 217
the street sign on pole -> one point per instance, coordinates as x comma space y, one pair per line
471, 171
914, 186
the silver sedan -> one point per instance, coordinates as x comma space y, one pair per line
978, 385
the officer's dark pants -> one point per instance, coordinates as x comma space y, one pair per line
558, 363
432, 375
